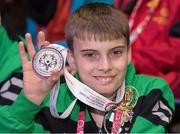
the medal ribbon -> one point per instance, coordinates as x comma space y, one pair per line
89, 96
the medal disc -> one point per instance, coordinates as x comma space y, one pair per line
56, 46
46, 60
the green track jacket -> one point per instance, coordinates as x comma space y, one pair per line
11, 81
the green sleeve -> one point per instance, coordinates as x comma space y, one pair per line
143, 125
20, 117
9, 55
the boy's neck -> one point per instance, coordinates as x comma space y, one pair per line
112, 97
98, 117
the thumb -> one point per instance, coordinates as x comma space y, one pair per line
55, 75
53, 78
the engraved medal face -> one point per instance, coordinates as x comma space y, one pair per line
46, 60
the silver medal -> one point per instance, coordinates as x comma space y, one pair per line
46, 60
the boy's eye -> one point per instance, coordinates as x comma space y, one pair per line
89, 54
117, 52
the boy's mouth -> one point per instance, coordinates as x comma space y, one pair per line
104, 79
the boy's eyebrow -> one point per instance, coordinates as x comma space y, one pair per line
87, 50
117, 47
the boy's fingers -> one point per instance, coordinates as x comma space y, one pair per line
55, 75
22, 53
41, 39
30, 46
53, 78
61, 72
46, 43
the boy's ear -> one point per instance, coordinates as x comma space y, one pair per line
129, 55
71, 61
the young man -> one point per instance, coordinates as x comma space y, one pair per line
112, 98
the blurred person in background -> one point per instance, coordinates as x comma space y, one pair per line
10, 69
17, 18
21, 16
155, 40
155, 32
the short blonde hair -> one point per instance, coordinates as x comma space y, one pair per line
96, 21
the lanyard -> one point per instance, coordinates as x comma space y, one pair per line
118, 116
152, 5
81, 122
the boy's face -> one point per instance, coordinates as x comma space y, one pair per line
101, 65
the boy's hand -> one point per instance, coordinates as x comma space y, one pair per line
35, 87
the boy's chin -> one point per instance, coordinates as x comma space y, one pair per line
106, 94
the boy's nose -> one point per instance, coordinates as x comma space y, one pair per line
105, 64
